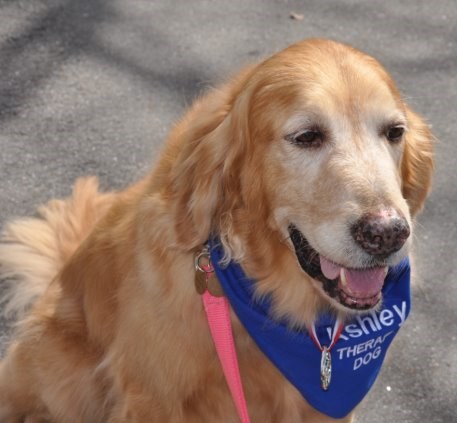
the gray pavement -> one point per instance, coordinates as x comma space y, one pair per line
92, 87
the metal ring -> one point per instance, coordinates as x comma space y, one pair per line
204, 253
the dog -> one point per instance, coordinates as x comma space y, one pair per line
304, 171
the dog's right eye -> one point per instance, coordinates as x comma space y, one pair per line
311, 138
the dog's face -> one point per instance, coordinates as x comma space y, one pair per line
325, 160
332, 170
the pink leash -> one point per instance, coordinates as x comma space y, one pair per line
218, 314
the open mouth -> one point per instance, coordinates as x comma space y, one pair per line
357, 289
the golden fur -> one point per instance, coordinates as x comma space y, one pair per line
116, 331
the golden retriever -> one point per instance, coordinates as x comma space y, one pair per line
314, 146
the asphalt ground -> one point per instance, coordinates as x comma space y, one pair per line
93, 86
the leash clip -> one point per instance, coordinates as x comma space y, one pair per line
205, 278
203, 267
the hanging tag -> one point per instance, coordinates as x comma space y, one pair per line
326, 358
205, 278
326, 368
200, 282
214, 287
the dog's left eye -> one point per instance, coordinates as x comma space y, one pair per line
311, 138
395, 133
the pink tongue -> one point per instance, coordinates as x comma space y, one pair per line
329, 269
361, 283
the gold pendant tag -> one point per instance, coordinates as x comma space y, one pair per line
200, 282
205, 278
213, 285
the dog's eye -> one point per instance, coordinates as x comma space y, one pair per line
395, 133
310, 138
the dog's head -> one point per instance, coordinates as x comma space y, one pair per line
310, 167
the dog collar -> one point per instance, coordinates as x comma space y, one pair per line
357, 354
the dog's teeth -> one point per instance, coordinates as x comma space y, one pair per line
343, 277
386, 269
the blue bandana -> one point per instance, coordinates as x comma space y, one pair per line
356, 357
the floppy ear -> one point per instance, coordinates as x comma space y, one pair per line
417, 162
208, 145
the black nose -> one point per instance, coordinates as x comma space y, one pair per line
381, 233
